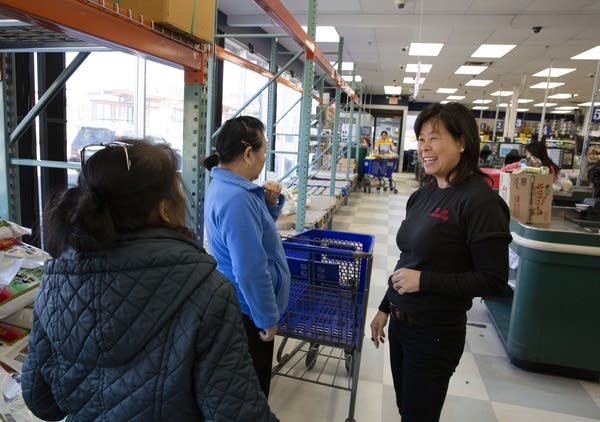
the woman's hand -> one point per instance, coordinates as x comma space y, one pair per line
268, 334
272, 191
406, 280
377, 325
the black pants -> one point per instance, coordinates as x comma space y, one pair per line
424, 355
261, 352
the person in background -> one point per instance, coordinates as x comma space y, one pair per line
484, 154
513, 156
132, 320
239, 217
384, 143
454, 247
539, 151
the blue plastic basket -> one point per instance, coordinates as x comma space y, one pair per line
330, 275
380, 167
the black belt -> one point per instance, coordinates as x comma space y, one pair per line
399, 315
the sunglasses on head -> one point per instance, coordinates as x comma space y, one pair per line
89, 150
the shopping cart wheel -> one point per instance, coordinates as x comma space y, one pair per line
311, 355
395, 190
348, 358
385, 188
365, 189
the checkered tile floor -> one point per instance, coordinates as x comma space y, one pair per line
486, 386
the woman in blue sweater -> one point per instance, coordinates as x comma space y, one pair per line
239, 218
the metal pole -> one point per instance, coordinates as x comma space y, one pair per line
541, 132
271, 109
335, 140
53, 89
586, 136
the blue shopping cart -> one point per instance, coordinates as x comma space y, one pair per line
377, 170
331, 273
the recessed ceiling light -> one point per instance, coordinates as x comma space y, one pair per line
555, 72
455, 97
560, 96
566, 108
482, 101
480, 108
479, 82
325, 34
470, 70
414, 68
591, 54
501, 93
446, 90
524, 100
411, 80
345, 65
542, 105
348, 78
493, 50
424, 49
542, 85
392, 89
522, 109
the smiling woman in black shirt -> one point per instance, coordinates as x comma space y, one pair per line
454, 247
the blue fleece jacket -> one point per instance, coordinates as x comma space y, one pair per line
242, 236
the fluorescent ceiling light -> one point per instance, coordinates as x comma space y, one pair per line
555, 72
560, 96
325, 34
446, 90
524, 100
345, 65
542, 85
522, 109
348, 78
589, 103
566, 108
560, 112
392, 89
493, 50
591, 54
547, 104
479, 82
444, 102
470, 70
503, 105
480, 108
502, 93
455, 97
414, 68
482, 101
424, 49
411, 80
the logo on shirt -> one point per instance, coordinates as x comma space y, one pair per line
442, 214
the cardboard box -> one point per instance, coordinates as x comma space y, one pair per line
528, 196
195, 18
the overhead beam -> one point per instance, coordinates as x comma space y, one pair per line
103, 23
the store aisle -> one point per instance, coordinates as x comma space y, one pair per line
486, 386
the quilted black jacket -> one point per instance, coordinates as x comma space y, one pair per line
146, 331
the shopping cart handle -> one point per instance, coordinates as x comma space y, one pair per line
325, 250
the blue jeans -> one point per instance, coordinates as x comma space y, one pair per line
424, 351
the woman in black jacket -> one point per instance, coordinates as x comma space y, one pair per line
132, 321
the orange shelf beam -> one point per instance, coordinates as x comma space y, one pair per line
103, 23
277, 11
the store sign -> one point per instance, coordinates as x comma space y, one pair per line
596, 115
519, 123
500, 125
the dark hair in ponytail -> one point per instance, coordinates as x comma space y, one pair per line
110, 198
235, 136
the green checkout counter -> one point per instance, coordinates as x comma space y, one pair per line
551, 322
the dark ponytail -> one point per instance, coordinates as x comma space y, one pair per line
235, 136
118, 191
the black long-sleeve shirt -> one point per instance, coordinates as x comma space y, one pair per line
458, 238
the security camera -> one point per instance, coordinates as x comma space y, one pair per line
536, 29
400, 3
